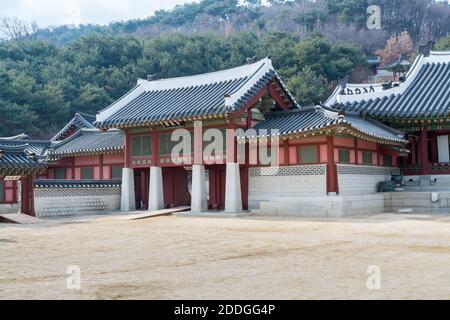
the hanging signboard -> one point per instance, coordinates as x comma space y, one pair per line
11, 178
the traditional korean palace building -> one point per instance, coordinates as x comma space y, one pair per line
419, 106
325, 160
20, 160
321, 151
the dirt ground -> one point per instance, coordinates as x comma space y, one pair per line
212, 258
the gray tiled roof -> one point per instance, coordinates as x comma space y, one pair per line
89, 141
400, 62
76, 123
215, 93
57, 183
19, 154
312, 119
424, 94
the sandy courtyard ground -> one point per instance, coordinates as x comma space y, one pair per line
209, 258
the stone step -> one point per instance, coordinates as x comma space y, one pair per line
19, 219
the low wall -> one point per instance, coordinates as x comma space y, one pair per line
362, 180
265, 183
8, 208
418, 202
323, 206
68, 198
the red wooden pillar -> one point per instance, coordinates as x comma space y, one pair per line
127, 150
244, 187
332, 183
27, 199
286, 152
413, 151
424, 152
73, 168
24, 196
31, 195
144, 192
213, 193
434, 148
100, 165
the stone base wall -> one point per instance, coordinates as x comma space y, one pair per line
265, 183
362, 180
8, 208
418, 202
323, 206
69, 201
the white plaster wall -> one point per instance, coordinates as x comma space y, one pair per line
362, 180
8, 208
296, 181
69, 202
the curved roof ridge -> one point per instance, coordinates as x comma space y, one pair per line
22, 136
434, 58
78, 121
203, 78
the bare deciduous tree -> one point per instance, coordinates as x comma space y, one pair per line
12, 28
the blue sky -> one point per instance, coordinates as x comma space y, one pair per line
57, 12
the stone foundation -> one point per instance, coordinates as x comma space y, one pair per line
324, 206
418, 202
8, 208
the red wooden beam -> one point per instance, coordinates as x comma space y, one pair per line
251, 102
278, 99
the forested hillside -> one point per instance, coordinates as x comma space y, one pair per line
45, 78
335, 19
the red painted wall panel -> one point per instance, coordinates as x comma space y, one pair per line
344, 142
87, 161
293, 156
323, 153
107, 172
114, 158
366, 145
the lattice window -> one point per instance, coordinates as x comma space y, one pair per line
60, 173
367, 158
116, 172
309, 154
344, 156
387, 161
87, 173
141, 146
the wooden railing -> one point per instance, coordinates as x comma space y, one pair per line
440, 168
417, 169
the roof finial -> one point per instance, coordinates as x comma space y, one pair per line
250, 60
343, 83
426, 49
